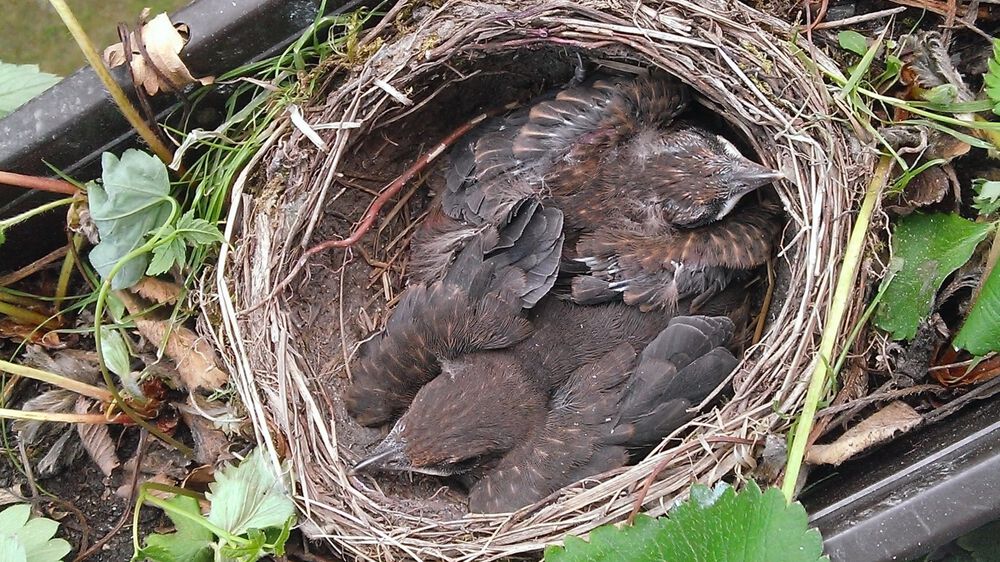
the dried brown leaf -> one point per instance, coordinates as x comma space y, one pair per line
210, 442
96, 439
197, 363
195, 358
880, 427
163, 43
158, 290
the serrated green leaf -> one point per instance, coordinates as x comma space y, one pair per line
166, 256
132, 202
115, 352
248, 552
926, 249
197, 231
638, 542
980, 334
22, 538
987, 196
190, 543
249, 496
20, 83
750, 526
991, 80
853, 41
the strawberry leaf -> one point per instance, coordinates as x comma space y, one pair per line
133, 201
191, 542
20, 83
714, 524
23, 538
250, 496
926, 249
980, 334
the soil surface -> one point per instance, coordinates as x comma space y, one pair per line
84, 503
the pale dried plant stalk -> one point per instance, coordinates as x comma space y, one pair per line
743, 64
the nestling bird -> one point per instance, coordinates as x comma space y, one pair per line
478, 305
527, 431
627, 174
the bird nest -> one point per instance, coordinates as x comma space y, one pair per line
428, 70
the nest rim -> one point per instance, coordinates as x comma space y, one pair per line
793, 133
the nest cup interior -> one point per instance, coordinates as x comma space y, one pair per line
292, 355
375, 275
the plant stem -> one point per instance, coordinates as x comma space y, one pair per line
9, 222
102, 296
831, 330
76, 386
196, 519
93, 419
23, 315
124, 105
38, 183
65, 273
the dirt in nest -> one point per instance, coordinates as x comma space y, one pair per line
348, 295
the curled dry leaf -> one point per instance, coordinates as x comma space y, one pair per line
195, 358
163, 43
880, 427
96, 439
197, 363
158, 290
30, 334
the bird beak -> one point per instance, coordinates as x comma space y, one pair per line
390, 454
754, 175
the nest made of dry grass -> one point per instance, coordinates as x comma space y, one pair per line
742, 63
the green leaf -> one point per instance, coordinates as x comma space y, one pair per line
987, 197
247, 552
715, 524
20, 83
115, 352
980, 334
926, 249
250, 496
133, 201
166, 255
197, 231
26, 539
991, 79
853, 41
190, 543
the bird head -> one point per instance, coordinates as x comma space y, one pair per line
476, 410
697, 176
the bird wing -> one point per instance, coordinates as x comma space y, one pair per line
677, 370
587, 119
655, 265
476, 306
569, 445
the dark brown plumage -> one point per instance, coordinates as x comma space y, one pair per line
626, 174
477, 305
529, 427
